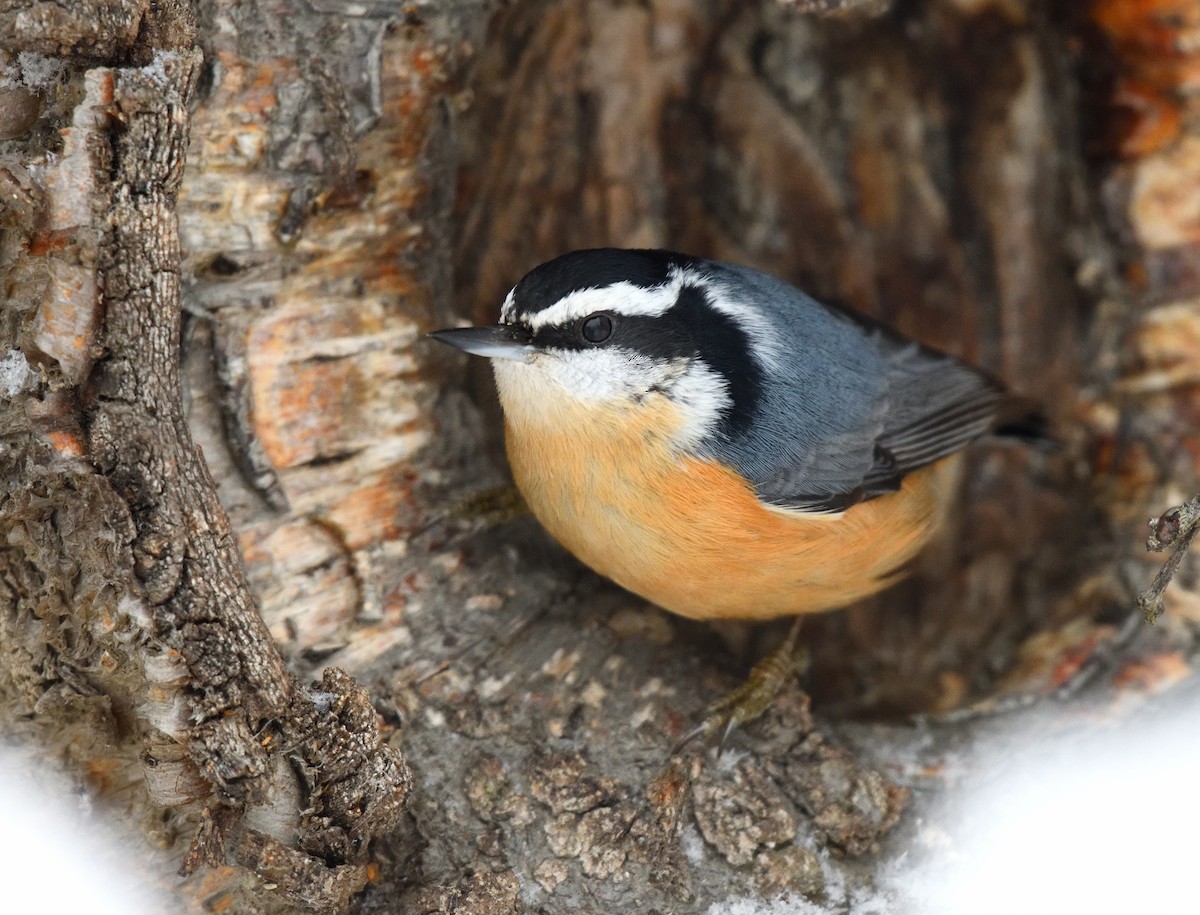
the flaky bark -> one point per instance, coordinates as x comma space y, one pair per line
225, 230
123, 585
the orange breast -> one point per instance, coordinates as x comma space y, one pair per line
691, 536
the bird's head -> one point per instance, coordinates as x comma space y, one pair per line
609, 331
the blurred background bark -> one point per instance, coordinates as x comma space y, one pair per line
1013, 182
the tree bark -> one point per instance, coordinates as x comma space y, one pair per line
227, 454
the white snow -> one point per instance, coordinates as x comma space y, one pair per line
1037, 820
58, 856
1103, 824
14, 372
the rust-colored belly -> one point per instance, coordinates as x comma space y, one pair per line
691, 536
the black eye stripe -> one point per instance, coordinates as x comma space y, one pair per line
656, 337
725, 347
691, 328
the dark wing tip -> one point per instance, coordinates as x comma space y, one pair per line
1022, 419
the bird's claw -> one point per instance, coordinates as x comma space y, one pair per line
490, 507
750, 700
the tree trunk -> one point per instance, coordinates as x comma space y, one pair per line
229, 578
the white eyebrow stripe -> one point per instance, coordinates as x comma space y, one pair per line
508, 309
620, 298
765, 343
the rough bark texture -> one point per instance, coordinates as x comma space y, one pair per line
163, 644
225, 229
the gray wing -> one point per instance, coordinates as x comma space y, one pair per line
931, 406
851, 406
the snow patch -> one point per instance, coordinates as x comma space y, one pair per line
137, 610
60, 854
1046, 815
780, 905
692, 844
1099, 823
39, 71
14, 372
31, 71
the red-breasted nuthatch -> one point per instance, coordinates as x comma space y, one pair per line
717, 441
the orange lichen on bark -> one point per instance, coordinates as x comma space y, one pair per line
376, 510
315, 279
239, 111
67, 323
68, 444
1154, 673
1156, 49
1049, 659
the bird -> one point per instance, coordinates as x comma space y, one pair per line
722, 444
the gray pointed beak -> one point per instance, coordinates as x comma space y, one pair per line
503, 341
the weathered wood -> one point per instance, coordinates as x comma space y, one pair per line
164, 643
356, 174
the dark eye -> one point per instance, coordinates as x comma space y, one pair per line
597, 328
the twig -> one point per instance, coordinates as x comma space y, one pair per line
1175, 527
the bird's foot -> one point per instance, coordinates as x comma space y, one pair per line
490, 507
750, 700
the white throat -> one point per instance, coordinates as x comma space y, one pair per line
554, 390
